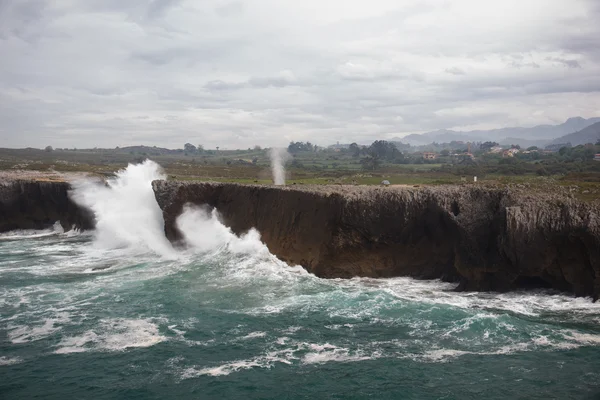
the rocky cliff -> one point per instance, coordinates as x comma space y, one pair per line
32, 204
486, 238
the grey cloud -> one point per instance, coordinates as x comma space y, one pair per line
277, 81
566, 62
142, 10
157, 8
165, 56
21, 19
454, 71
516, 64
107, 73
218, 85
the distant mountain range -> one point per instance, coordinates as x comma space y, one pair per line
540, 135
591, 134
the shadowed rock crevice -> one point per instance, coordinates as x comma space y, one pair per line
486, 238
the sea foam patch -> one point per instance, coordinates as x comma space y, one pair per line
114, 335
18, 334
10, 360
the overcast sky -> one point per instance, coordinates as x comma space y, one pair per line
236, 74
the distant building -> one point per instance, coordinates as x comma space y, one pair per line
496, 149
597, 157
510, 152
429, 156
385, 183
338, 146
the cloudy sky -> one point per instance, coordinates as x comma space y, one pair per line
236, 74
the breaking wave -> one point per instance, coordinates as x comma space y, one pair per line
222, 305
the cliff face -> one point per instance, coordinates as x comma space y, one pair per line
487, 238
29, 204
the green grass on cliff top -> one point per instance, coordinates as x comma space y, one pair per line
310, 169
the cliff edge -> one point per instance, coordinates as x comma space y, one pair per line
38, 204
486, 238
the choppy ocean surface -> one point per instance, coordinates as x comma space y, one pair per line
120, 314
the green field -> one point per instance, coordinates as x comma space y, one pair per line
319, 167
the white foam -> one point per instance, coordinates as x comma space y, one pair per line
177, 331
539, 343
25, 333
32, 233
126, 211
203, 231
334, 355
292, 329
254, 335
10, 360
530, 303
266, 361
76, 344
224, 369
442, 355
282, 340
114, 335
587, 339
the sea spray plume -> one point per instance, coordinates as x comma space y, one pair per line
203, 232
279, 156
126, 211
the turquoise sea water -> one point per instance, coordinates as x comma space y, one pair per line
120, 314
231, 324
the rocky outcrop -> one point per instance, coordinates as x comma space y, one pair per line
486, 238
32, 204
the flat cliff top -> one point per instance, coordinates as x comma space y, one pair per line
547, 191
40, 176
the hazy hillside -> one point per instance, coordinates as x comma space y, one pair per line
591, 134
538, 135
524, 143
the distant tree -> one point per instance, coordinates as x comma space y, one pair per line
383, 150
400, 159
189, 148
255, 160
563, 150
445, 153
598, 142
354, 149
515, 146
257, 148
297, 147
371, 162
48, 149
486, 146
200, 149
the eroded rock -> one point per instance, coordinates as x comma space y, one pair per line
488, 238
